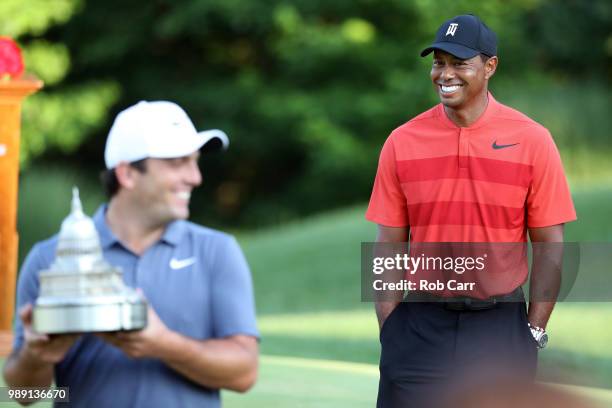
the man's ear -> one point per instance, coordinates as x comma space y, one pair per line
490, 67
126, 175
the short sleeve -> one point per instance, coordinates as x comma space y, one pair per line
233, 303
387, 203
549, 201
27, 290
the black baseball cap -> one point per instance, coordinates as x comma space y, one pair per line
464, 36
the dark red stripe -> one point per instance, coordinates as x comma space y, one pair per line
462, 213
495, 171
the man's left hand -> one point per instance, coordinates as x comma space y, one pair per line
148, 342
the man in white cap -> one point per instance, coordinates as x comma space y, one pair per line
201, 334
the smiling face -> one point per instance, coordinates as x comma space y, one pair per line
461, 83
164, 189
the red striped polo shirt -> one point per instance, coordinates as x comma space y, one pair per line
487, 182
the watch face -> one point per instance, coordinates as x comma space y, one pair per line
543, 340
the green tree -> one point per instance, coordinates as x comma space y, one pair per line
307, 90
58, 117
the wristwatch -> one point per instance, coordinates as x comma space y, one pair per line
539, 335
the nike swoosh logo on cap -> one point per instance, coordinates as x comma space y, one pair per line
496, 146
181, 263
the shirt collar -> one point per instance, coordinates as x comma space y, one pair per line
107, 238
486, 116
172, 234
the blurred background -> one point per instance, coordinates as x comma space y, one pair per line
308, 90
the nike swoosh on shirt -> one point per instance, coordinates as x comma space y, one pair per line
496, 146
182, 263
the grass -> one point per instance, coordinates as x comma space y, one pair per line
294, 382
311, 265
305, 383
315, 383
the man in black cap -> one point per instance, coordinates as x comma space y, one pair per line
468, 170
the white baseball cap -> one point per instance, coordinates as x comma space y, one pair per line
157, 129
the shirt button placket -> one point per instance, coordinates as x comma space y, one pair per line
463, 149
138, 276
129, 271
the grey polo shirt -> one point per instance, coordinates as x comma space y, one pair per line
198, 282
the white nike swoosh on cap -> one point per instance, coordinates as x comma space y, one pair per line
182, 263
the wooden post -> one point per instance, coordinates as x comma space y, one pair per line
12, 93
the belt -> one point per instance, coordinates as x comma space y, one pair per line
465, 303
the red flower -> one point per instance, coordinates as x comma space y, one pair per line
11, 62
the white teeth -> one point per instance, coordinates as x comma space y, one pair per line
184, 195
448, 89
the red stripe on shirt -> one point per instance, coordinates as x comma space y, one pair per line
447, 167
462, 213
461, 233
472, 191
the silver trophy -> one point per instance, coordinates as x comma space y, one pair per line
81, 292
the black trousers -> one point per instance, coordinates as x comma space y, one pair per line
428, 351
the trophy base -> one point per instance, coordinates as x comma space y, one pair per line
90, 316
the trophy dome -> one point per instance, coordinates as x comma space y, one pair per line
81, 292
78, 246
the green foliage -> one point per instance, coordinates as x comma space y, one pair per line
62, 119
34, 17
307, 90
61, 116
50, 61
